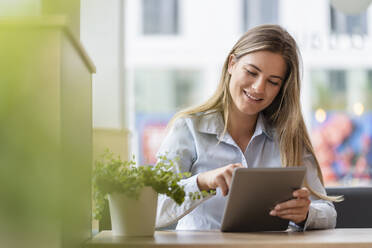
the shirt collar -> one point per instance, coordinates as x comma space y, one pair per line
212, 123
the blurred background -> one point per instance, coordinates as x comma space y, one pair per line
169, 55
77, 77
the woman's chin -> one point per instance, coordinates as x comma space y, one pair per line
249, 111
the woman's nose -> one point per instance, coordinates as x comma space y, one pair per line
259, 85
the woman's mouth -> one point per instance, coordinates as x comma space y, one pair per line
251, 97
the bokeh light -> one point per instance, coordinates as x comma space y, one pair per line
320, 115
358, 108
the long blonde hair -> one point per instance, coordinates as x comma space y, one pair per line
284, 113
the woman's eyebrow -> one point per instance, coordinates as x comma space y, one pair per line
258, 69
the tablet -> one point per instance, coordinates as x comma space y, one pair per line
254, 192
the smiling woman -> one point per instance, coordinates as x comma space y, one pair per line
253, 119
255, 81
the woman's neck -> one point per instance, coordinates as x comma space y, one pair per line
241, 127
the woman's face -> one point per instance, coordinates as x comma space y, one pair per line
255, 81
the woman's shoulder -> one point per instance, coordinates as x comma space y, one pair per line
185, 121
201, 121
196, 118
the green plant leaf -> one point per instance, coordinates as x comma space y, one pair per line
111, 174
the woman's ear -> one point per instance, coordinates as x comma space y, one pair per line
232, 61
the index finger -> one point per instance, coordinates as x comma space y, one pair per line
237, 165
301, 193
232, 167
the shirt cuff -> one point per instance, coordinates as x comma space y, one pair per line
168, 212
301, 227
190, 184
307, 223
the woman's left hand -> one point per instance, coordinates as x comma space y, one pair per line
296, 209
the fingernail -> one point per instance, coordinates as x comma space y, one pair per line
272, 212
277, 207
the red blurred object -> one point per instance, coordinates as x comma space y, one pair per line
153, 135
337, 129
326, 139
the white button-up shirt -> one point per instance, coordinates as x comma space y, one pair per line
195, 141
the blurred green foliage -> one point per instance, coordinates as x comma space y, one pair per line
25, 137
29, 146
41, 163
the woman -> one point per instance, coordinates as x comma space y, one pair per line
253, 119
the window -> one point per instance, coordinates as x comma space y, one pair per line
348, 24
337, 80
258, 12
341, 128
160, 17
329, 89
159, 93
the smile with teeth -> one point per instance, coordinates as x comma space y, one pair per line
252, 97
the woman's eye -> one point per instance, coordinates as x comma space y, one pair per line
274, 83
251, 73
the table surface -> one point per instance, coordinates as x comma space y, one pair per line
353, 237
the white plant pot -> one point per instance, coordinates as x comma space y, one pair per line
131, 217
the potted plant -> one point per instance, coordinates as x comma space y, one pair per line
132, 192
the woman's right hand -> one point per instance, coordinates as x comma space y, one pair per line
217, 178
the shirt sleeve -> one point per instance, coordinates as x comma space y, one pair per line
178, 145
322, 213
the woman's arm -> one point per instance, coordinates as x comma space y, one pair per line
169, 212
322, 213
308, 211
178, 144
